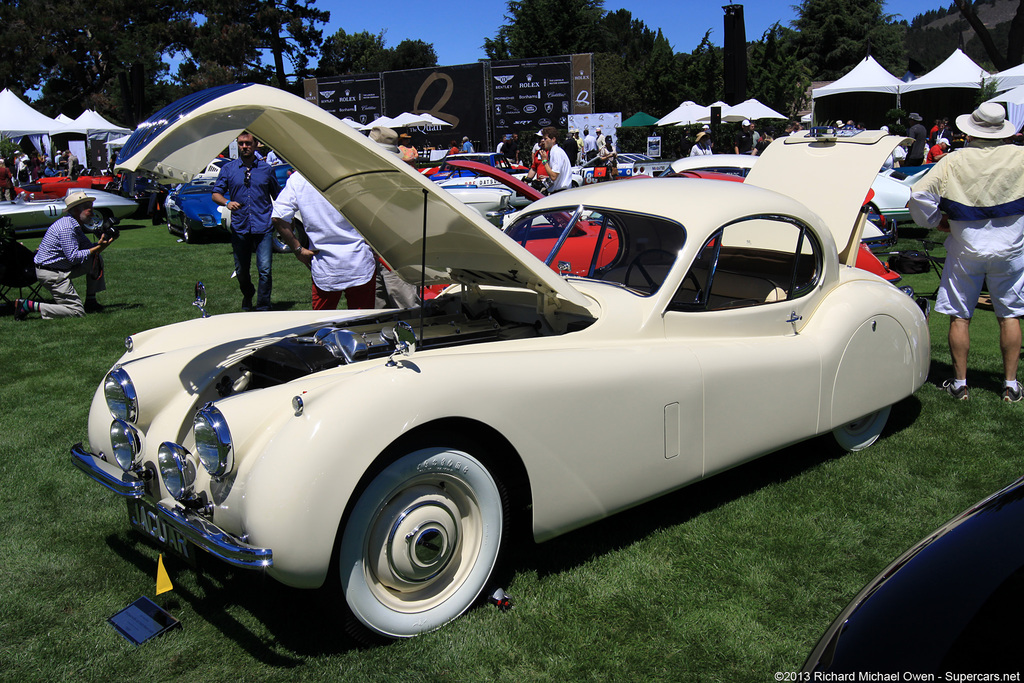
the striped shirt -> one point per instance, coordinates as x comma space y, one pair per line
64, 245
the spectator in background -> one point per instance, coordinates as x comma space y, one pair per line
938, 150
406, 151
702, 147
571, 147
6, 181
915, 156
252, 186
744, 141
467, 146
589, 145
511, 148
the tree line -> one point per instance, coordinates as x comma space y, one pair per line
81, 54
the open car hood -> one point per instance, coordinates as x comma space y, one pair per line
829, 175
392, 205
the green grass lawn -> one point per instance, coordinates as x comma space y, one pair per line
728, 580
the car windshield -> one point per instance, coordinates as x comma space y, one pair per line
635, 250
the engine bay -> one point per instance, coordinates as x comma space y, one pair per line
445, 322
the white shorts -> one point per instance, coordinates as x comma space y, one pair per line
963, 278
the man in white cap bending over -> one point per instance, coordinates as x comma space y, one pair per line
976, 194
64, 254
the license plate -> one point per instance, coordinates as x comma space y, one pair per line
143, 518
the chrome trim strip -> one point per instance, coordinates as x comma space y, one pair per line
197, 529
214, 540
110, 475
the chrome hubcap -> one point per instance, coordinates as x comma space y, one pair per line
420, 543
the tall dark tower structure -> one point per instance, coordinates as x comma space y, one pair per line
735, 54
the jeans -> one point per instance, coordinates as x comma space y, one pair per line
243, 247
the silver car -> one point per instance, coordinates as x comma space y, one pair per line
37, 214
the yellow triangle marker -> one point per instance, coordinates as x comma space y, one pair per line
163, 581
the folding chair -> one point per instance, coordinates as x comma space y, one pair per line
17, 272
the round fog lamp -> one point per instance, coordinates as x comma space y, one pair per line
119, 391
177, 469
127, 444
213, 441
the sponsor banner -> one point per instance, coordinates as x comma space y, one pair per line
531, 94
455, 94
608, 122
583, 84
357, 97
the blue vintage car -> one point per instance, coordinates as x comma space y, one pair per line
192, 213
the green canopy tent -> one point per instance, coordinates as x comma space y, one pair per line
638, 120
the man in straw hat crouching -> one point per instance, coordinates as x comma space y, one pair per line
64, 254
976, 194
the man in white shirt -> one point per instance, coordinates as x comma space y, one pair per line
555, 160
589, 145
976, 195
338, 257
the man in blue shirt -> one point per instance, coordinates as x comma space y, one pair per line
251, 186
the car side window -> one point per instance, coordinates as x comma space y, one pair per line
755, 261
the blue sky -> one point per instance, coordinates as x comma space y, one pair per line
457, 28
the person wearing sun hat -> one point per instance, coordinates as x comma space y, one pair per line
64, 254
976, 194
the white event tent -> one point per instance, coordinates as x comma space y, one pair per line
868, 76
1013, 100
19, 120
1010, 78
947, 90
98, 127
958, 71
867, 91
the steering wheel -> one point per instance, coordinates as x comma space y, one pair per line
639, 264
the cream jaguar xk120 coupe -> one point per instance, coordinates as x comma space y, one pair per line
392, 450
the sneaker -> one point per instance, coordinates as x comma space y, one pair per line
959, 394
20, 309
93, 306
1012, 395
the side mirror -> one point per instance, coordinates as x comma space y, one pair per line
200, 300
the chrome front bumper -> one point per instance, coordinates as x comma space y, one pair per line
199, 530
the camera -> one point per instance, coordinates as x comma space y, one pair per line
110, 232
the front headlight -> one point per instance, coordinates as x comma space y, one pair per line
119, 391
127, 444
177, 469
213, 441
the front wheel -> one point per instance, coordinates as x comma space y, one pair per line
859, 434
421, 542
100, 221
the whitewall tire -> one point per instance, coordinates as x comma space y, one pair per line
859, 434
421, 542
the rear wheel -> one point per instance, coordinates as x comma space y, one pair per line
421, 542
859, 434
